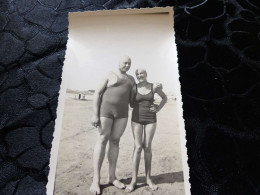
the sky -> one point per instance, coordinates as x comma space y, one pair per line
97, 42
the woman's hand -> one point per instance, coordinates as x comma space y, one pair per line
95, 121
154, 108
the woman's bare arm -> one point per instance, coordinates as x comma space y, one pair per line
160, 92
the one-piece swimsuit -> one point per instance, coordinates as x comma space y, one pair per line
141, 112
115, 100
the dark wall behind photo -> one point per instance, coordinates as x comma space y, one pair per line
218, 44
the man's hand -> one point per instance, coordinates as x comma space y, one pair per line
95, 121
157, 86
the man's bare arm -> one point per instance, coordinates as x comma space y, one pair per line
97, 101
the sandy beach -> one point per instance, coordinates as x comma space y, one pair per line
74, 169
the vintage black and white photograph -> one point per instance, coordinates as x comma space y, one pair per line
121, 119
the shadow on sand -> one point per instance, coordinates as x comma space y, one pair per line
158, 179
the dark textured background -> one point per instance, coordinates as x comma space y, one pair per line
218, 45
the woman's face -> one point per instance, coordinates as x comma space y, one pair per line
141, 75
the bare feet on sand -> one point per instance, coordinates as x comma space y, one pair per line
130, 187
95, 188
151, 184
117, 184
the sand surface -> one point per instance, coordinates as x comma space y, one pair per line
74, 169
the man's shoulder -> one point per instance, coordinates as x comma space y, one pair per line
132, 79
110, 74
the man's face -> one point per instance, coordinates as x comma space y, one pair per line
125, 64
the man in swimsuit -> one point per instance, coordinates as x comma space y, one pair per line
110, 114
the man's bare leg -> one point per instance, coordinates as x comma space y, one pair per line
99, 152
117, 131
137, 130
149, 131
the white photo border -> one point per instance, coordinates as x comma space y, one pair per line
62, 94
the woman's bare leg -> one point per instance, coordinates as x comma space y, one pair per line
117, 131
137, 130
149, 131
99, 152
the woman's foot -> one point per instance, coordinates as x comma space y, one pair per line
95, 188
151, 184
130, 187
117, 184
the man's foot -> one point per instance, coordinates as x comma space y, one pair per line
117, 184
151, 184
95, 188
130, 187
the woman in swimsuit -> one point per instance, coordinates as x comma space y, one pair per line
144, 124
110, 114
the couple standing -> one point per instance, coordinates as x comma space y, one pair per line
110, 114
